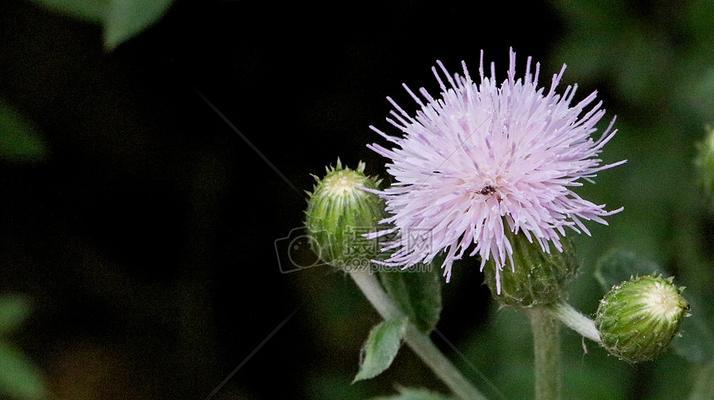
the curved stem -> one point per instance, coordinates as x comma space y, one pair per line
546, 345
420, 343
576, 321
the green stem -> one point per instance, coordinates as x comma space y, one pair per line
576, 321
546, 345
420, 343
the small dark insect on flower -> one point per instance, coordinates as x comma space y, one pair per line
488, 189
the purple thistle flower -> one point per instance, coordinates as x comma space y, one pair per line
485, 157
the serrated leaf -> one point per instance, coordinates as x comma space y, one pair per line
19, 378
380, 348
417, 293
19, 139
126, 18
14, 309
87, 10
415, 394
620, 265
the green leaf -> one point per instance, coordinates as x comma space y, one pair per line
620, 265
19, 139
122, 19
87, 10
19, 378
126, 18
415, 394
381, 347
417, 293
14, 309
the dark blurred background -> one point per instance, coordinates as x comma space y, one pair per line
143, 234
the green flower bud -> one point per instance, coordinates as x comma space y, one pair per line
539, 278
705, 162
638, 319
340, 212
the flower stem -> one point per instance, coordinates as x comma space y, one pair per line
576, 321
420, 343
546, 345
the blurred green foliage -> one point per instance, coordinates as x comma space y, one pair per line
705, 160
19, 139
620, 265
704, 388
19, 378
88, 10
14, 309
414, 394
121, 19
127, 18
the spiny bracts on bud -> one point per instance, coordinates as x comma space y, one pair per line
341, 209
705, 162
638, 319
538, 278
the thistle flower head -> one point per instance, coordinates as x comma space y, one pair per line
483, 158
